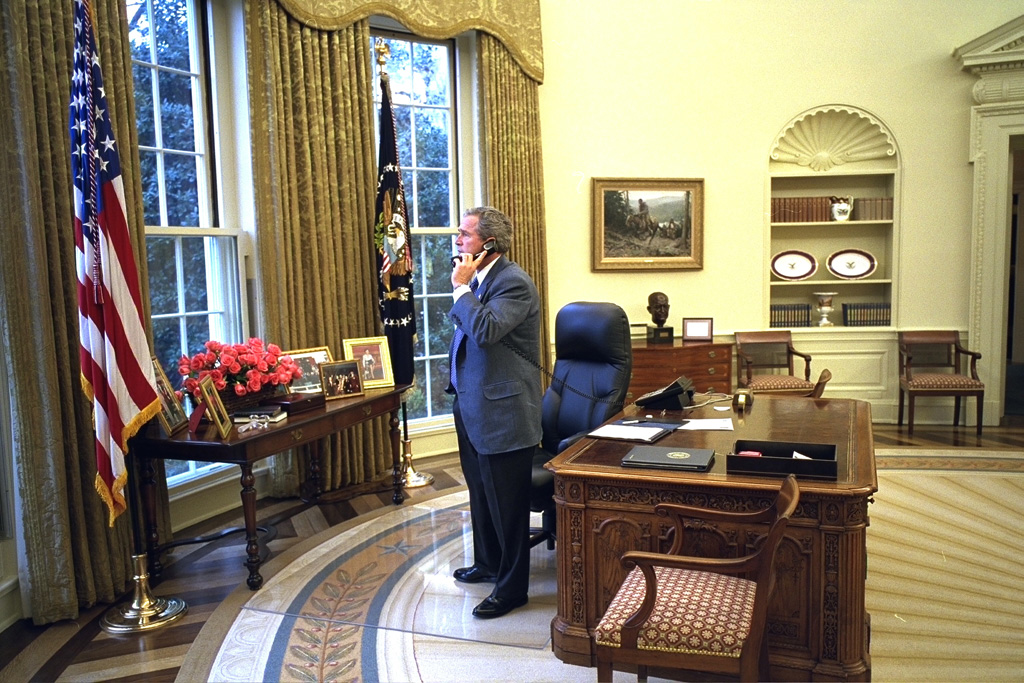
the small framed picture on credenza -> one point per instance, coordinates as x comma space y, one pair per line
697, 329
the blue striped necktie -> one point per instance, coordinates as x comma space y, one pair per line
457, 339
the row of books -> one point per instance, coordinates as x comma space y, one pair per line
817, 209
872, 209
867, 315
790, 315
801, 209
854, 315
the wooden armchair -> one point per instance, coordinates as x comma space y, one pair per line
942, 356
698, 614
770, 351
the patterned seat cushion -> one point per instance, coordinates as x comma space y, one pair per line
779, 383
942, 380
695, 613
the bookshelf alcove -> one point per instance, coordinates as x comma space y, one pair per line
833, 151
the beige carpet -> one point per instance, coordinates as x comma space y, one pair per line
945, 590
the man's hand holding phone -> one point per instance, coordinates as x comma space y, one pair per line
464, 265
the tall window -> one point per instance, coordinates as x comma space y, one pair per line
421, 74
193, 263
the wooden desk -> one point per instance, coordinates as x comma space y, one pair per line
708, 364
818, 626
255, 445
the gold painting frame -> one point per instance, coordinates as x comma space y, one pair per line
648, 224
172, 413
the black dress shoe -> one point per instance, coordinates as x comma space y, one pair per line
472, 574
493, 607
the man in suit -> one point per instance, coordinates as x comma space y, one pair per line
497, 403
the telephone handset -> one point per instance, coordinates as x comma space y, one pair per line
488, 249
675, 396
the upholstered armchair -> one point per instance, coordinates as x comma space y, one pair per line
694, 613
932, 363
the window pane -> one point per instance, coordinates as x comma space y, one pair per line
197, 331
175, 467
150, 187
399, 73
403, 134
433, 206
193, 262
167, 347
138, 30
436, 265
437, 369
431, 81
439, 328
415, 399
176, 117
142, 76
163, 281
172, 46
182, 190
432, 138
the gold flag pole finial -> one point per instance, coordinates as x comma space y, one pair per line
383, 52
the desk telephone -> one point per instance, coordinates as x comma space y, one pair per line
675, 396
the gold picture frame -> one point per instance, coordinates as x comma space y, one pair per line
172, 413
341, 379
215, 409
374, 360
648, 224
309, 361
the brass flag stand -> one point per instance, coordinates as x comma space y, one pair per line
145, 612
413, 479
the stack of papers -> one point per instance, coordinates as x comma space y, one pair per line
637, 432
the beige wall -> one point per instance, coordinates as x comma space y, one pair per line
688, 88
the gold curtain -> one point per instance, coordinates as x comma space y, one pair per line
515, 24
74, 559
513, 168
315, 174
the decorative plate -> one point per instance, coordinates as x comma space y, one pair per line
851, 264
794, 265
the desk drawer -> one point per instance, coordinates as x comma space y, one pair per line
709, 366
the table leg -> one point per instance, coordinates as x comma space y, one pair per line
147, 488
309, 489
396, 458
252, 546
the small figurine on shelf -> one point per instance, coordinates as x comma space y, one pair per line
657, 306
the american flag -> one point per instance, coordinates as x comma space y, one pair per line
117, 374
394, 253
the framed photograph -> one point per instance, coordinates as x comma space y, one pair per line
697, 329
374, 360
341, 379
309, 361
654, 224
172, 413
215, 409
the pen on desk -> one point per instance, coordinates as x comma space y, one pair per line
632, 422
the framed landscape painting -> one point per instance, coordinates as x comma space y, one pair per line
648, 224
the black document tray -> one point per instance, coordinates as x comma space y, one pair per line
777, 459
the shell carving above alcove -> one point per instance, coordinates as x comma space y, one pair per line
829, 136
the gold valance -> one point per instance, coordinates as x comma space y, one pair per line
516, 24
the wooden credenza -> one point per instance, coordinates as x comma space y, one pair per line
818, 625
707, 364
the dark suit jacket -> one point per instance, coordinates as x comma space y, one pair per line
499, 391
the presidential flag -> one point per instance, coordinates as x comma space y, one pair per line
117, 373
394, 256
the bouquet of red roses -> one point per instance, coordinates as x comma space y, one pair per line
239, 368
